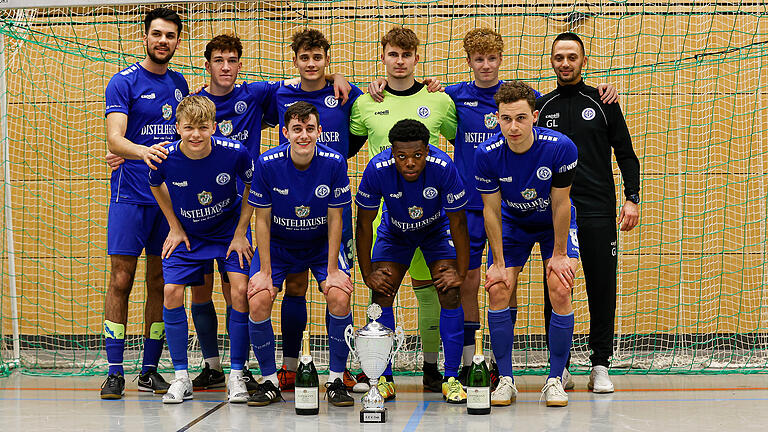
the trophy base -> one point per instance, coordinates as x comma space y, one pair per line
373, 416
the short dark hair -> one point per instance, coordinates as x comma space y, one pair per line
301, 111
162, 13
309, 39
224, 43
407, 130
513, 91
401, 37
570, 36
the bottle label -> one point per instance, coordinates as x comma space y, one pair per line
478, 397
306, 397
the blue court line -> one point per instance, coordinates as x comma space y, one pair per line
418, 413
158, 400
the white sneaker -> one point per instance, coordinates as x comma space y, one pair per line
180, 390
600, 381
554, 393
568, 380
237, 392
505, 393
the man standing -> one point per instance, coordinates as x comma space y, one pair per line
140, 105
596, 128
370, 120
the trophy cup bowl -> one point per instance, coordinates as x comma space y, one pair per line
372, 348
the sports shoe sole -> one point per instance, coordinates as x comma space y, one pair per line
177, 401
455, 402
599, 391
112, 396
557, 403
212, 386
342, 404
251, 403
150, 389
502, 402
238, 400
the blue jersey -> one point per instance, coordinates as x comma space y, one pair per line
149, 100
417, 205
334, 118
525, 180
299, 199
476, 115
240, 113
203, 191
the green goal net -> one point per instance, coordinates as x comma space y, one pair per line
692, 77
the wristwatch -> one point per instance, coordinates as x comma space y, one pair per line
635, 198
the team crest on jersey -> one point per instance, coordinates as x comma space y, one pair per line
322, 191
205, 198
331, 102
177, 94
423, 111
529, 193
302, 211
222, 179
167, 111
240, 107
429, 193
544, 173
225, 127
490, 120
588, 114
415, 212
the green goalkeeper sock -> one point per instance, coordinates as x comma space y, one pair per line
429, 318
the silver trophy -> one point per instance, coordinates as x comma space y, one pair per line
373, 349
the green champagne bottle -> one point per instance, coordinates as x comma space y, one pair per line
307, 384
478, 381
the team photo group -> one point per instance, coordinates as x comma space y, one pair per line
192, 189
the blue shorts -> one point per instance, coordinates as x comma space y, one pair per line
347, 242
132, 228
185, 267
291, 261
477, 237
435, 243
519, 240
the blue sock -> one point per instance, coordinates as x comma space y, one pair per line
293, 322
502, 331
452, 334
469, 332
337, 346
207, 327
177, 333
238, 339
229, 314
153, 349
263, 342
115, 349
388, 320
560, 339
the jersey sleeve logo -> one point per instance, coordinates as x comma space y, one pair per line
588, 114
205, 198
544, 173
222, 179
177, 94
423, 111
225, 127
331, 102
529, 194
430, 193
415, 212
240, 107
302, 211
322, 191
490, 120
167, 111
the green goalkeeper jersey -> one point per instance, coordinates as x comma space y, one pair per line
375, 119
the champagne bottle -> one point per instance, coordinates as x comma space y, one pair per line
479, 381
307, 384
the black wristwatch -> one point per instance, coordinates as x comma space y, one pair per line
635, 198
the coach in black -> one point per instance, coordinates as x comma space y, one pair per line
575, 109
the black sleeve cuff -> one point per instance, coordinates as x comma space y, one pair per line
564, 179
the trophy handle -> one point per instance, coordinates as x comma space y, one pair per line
400, 338
349, 336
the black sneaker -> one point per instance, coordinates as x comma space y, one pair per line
113, 387
336, 393
153, 382
209, 378
494, 372
250, 382
433, 379
463, 375
265, 394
